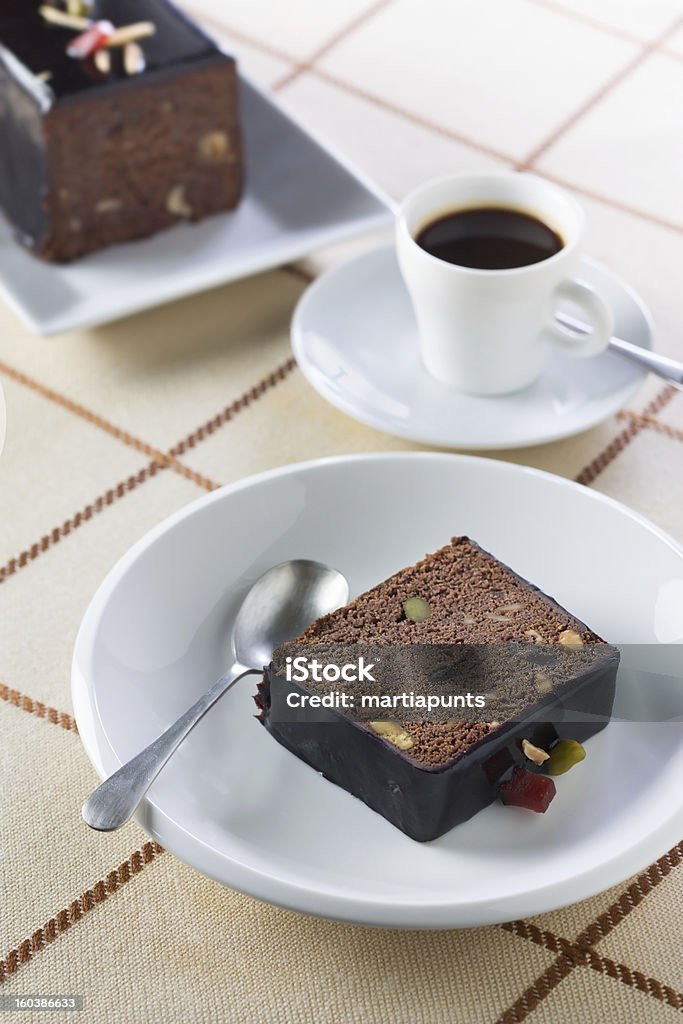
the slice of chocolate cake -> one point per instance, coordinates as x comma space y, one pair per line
118, 118
426, 776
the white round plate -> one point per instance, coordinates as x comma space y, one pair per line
355, 339
241, 809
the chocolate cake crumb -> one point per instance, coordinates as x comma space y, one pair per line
473, 598
439, 743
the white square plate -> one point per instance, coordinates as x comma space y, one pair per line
298, 197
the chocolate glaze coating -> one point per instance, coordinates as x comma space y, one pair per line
31, 46
423, 801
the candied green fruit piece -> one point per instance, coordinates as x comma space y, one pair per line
417, 610
564, 756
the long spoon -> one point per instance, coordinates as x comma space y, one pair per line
279, 606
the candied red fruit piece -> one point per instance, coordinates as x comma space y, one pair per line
527, 789
90, 41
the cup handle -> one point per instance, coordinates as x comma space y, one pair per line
599, 316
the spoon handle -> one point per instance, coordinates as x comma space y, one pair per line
664, 367
115, 800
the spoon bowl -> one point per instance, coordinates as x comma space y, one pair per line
281, 604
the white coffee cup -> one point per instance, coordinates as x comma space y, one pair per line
486, 332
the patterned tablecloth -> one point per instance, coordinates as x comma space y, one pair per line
110, 430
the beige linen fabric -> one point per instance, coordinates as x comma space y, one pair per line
110, 430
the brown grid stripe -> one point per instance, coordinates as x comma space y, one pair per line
631, 898
110, 496
113, 494
668, 51
338, 36
590, 20
84, 515
600, 94
635, 979
611, 201
221, 26
572, 955
407, 115
487, 150
645, 421
537, 991
96, 420
62, 921
606, 27
76, 910
603, 459
250, 396
586, 476
36, 707
581, 952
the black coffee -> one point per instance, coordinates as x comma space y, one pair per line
489, 238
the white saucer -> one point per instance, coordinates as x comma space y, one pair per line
355, 339
241, 809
